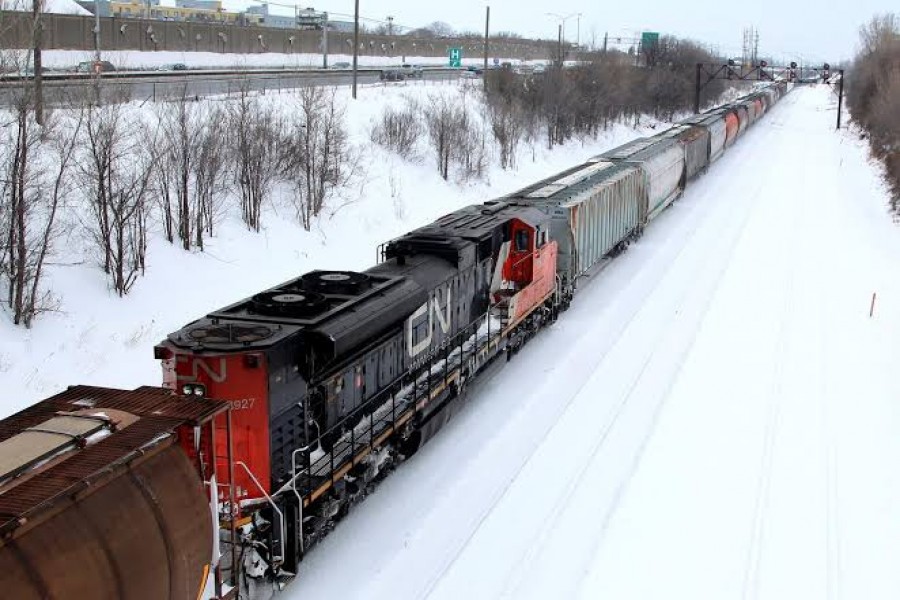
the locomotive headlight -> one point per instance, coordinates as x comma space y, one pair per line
199, 390
187, 389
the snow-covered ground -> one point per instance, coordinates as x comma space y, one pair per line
60, 7
716, 416
99, 339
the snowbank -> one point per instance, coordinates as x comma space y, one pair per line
125, 59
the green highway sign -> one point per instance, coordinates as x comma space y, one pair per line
649, 40
455, 57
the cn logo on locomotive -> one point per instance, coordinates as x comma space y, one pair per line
200, 364
413, 324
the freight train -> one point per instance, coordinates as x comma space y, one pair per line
281, 411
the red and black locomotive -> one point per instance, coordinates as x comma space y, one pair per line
334, 376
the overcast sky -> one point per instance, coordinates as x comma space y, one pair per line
786, 27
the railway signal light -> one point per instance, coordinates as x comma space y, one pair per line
793, 65
763, 64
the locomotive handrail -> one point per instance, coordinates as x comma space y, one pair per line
420, 389
274, 506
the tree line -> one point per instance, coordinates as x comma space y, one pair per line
873, 93
122, 170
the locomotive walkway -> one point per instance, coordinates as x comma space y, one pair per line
715, 417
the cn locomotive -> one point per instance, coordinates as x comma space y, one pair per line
281, 411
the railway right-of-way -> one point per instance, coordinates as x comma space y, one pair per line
715, 417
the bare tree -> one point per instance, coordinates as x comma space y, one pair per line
440, 121
35, 162
179, 136
210, 166
508, 125
317, 156
190, 175
257, 131
116, 169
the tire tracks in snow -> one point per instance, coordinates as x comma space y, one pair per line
750, 590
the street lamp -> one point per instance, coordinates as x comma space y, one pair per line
562, 29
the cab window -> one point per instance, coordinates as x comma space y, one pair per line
522, 240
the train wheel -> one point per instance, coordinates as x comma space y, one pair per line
410, 445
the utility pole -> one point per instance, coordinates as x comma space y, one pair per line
840, 98
605, 40
559, 46
487, 30
697, 90
355, 43
578, 32
97, 30
390, 21
325, 42
38, 79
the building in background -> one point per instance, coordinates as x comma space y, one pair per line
340, 26
264, 16
203, 11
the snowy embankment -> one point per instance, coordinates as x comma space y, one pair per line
97, 338
125, 60
715, 417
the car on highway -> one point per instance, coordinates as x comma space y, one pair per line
173, 67
95, 66
392, 75
412, 71
340, 65
472, 72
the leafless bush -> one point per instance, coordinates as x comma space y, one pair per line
470, 147
116, 166
34, 164
399, 129
317, 157
256, 131
455, 136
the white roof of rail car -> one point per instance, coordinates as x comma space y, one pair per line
569, 180
578, 198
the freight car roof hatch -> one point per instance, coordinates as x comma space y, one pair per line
570, 179
41, 442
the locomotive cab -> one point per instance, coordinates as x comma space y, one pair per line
525, 274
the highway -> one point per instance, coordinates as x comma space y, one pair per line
66, 89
